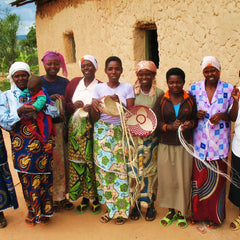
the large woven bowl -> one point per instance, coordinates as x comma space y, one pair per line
141, 120
109, 106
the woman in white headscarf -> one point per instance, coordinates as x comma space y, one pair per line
211, 141
78, 95
32, 156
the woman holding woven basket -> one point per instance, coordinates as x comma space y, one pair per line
145, 168
173, 109
110, 160
82, 182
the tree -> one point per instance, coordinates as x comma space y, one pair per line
8, 37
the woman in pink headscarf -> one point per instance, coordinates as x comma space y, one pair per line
145, 169
55, 86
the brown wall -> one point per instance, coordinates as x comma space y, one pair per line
187, 31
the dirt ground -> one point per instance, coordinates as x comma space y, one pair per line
71, 225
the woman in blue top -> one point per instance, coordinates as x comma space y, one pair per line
55, 87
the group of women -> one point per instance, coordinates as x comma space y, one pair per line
87, 157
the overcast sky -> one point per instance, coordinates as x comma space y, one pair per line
26, 12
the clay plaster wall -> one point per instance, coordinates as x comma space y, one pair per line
187, 31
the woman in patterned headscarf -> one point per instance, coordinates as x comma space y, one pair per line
55, 86
32, 156
82, 181
145, 168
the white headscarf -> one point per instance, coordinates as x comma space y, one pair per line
90, 58
210, 61
17, 66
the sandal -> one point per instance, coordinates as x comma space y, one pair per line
96, 208
120, 221
213, 225
3, 221
135, 213
235, 225
168, 220
191, 222
151, 214
30, 219
44, 220
180, 221
56, 206
66, 205
105, 218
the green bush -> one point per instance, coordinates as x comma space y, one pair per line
4, 85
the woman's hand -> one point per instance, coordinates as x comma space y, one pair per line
187, 125
96, 104
174, 126
235, 94
201, 114
26, 109
115, 98
78, 104
217, 117
87, 107
56, 96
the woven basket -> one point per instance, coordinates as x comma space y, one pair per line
80, 113
109, 106
141, 120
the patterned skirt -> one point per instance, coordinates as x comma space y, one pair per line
144, 170
209, 190
82, 180
38, 191
8, 196
111, 169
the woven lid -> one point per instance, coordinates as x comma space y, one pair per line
141, 120
109, 106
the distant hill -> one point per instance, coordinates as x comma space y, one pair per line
21, 37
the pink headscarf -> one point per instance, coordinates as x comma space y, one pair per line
147, 65
49, 55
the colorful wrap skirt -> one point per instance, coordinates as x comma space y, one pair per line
8, 196
82, 180
111, 169
37, 192
33, 159
144, 170
209, 190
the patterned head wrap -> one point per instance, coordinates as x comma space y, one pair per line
17, 66
146, 65
90, 58
210, 61
49, 55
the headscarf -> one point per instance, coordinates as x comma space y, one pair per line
17, 66
147, 65
90, 58
210, 61
49, 55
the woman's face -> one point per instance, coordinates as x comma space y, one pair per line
52, 67
20, 78
211, 74
145, 77
113, 71
88, 69
175, 84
